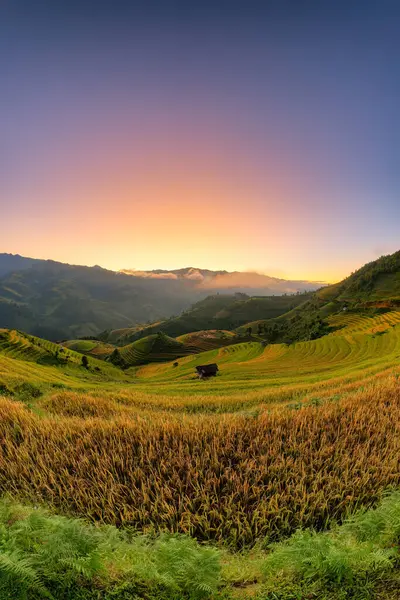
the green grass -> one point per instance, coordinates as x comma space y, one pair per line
153, 348
43, 555
49, 556
348, 561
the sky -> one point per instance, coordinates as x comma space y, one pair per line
237, 135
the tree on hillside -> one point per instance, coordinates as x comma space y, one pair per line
85, 361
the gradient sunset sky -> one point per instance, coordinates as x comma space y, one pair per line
218, 134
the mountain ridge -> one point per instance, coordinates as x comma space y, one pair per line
249, 282
61, 301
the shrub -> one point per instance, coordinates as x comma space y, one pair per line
48, 556
44, 555
381, 525
4, 391
340, 560
27, 391
350, 557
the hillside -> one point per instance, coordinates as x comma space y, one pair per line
358, 347
158, 347
221, 312
9, 263
28, 363
208, 339
152, 348
373, 288
93, 348
59, 301
377, 281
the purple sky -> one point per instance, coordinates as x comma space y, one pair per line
238, 135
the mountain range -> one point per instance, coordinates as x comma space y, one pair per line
248, 282
59, 301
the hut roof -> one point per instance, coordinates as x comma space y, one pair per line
210, 369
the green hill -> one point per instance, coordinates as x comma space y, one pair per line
94, 348
29, 363
377, 281
152, 348
373, 288
217, 312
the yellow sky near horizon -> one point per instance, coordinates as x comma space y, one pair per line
168, 212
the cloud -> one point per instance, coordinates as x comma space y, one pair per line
149, 274
194, 275
209, 281
240, 280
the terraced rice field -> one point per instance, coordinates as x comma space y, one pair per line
251, 375
363, 348
202, 341
90, 347
15, 344
153, 348
285, 437
26, 358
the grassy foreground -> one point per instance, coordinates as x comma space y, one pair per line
48, 556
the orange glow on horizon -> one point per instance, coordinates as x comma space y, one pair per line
177, 206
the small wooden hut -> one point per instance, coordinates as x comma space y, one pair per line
204, 371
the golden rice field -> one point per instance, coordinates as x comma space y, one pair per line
285, 437
232, 478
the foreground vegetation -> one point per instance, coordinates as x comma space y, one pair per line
47, 556
230, 479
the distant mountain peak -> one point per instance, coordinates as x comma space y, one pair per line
228, 280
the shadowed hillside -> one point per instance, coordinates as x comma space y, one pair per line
60, 301
221, 311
